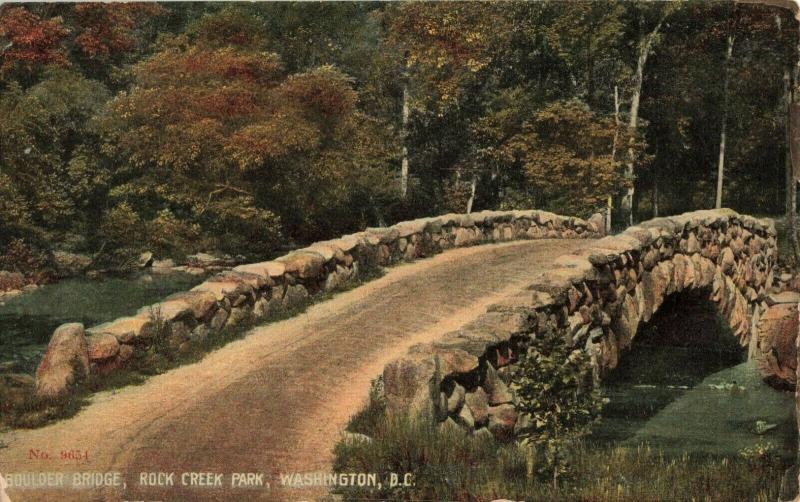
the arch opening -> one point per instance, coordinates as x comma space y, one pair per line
684, 385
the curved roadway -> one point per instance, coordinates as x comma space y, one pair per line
276, 401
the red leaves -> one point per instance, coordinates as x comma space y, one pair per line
100, 31
195, 66
108, 28
31, 40
325, 90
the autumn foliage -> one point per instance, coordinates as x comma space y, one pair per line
105, 29
241, 127
568, 171
29, 40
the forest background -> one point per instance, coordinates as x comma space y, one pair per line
252, 128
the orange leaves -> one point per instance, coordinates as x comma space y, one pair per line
27, 40
326, 90
273, 139
197, 66
447, 43
566, 152
107, 28
229, 109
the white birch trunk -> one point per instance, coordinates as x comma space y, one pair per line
645, 45
404, 133
473, 187
723, 131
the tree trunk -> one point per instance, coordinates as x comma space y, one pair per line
723, 131
404, 134
791, 183
655, 195
616, 124
789, 174
645, 44
472, 193
610, 201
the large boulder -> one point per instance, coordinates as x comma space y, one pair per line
501, 421
65, 361
103, 346
200, 303
266, 269
304, 264
777, 332
597, 222
127, 329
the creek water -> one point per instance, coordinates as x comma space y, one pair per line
27, 321
685, 386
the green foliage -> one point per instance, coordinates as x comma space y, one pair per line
241, 127
569, 173
556, 390
231, 26
368, 420
447, 464
43, 170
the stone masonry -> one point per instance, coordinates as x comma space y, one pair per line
599, 296
258, 290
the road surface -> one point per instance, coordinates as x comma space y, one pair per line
275, 401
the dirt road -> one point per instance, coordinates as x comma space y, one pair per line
276, 401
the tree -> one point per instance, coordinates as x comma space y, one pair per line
28, 43
42, 153
445, 50
216, 115
103, 31
556, 390
647, 39
569, 173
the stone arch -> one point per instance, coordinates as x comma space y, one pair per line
599, 296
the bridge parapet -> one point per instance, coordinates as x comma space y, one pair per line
259, 291
598, 296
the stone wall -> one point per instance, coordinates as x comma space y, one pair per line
258, 290
598, 296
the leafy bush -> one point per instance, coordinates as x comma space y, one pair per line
22, 258
555, 386
367, 421
167, 235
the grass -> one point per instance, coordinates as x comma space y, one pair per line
28, 412
448, 464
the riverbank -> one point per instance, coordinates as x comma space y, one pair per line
26, 270
447, 464
27, 321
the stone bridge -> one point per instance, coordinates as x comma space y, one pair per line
449, 326
599, 295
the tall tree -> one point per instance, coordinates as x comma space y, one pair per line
647, 39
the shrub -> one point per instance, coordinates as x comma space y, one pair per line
555, 387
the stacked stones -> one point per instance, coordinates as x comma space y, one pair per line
259, 290
597, 297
